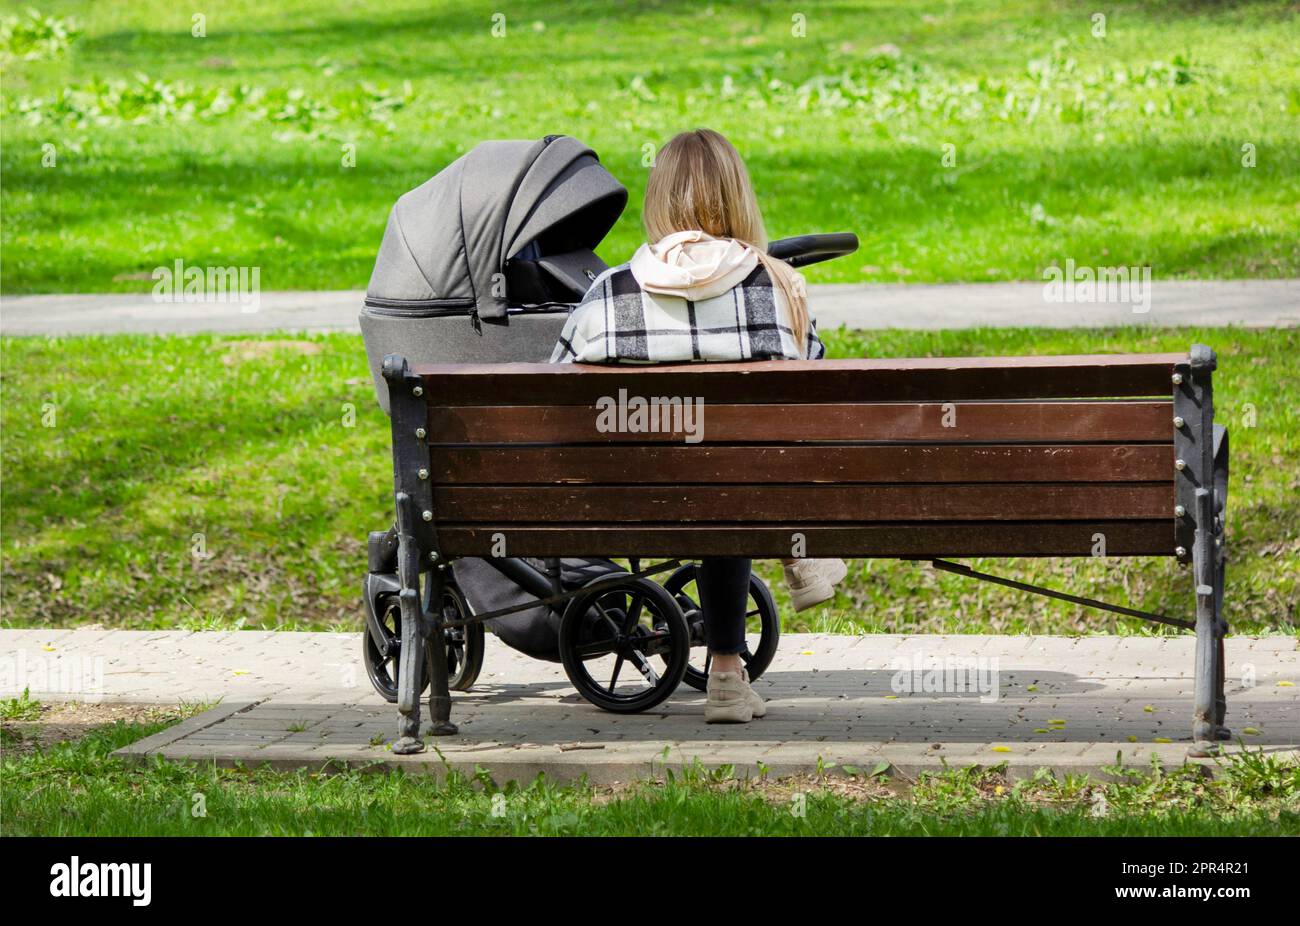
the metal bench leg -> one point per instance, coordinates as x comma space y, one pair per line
410, 671
1208, 639
1221, 731
1221, 563
1211, 665
1201, 502
439, 694
416, 545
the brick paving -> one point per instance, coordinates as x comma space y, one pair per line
303, 700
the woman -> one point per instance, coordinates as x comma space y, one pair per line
704, 288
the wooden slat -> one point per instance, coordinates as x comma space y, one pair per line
1123, 538
1044, 422
677, 465
912, 380
802, 504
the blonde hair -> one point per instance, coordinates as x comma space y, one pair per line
699, 182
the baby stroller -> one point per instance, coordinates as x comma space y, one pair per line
482, 264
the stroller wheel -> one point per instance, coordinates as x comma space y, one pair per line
464, 645
762, 626
624, 647
382, 666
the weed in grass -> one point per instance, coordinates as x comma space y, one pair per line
143, 100
35, 36
22, 708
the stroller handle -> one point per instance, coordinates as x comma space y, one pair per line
802, 250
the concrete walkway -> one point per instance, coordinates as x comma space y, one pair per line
1250, 303
302, 700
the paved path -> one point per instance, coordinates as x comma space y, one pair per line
1251, 303
302, 699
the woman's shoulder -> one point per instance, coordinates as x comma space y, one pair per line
605, 290
584, 335
609, 282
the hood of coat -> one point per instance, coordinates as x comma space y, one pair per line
692, 265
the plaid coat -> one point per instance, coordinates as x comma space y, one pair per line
618, 322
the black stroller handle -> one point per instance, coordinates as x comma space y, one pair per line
802, 250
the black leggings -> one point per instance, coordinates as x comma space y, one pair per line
723, 583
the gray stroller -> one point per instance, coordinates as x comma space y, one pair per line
482, 263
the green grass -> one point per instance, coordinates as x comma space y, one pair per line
228, 149
77, 788
212, 482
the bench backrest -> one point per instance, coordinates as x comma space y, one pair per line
1019, 456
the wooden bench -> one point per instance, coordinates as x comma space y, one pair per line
1114, 455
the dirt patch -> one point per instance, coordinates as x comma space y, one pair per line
244, 351
779, 790
855, 788
71, 720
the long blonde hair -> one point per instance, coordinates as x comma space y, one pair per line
699, 182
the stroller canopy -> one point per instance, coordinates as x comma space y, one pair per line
449, 239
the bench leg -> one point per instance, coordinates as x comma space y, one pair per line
1201, 449
410, 678
1221, 732
1211, 708
1221, 563
1208, 664
439, 694
410, 670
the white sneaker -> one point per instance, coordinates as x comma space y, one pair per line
756, 703
728, 698
812, 581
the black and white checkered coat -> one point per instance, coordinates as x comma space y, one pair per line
618, 322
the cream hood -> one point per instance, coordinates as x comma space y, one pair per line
692, 265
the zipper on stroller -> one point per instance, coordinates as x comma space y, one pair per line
419, 308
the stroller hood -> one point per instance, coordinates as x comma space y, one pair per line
448, 240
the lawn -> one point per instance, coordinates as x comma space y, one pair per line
75, 787
960, 140
217, 482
